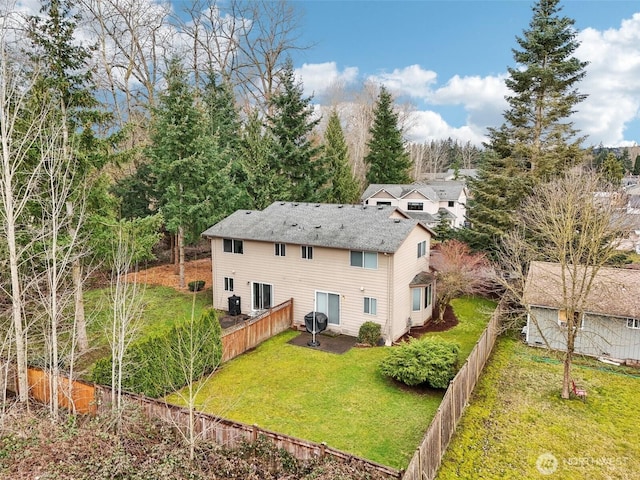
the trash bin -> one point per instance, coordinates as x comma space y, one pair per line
234, 305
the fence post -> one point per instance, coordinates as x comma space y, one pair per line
323, 448
254, 432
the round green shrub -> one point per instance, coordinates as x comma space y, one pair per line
196, 285
429, 361
369, 333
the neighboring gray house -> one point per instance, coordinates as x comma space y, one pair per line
425, 201
353, 263
610, 324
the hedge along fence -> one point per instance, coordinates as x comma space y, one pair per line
426, 461
158, 365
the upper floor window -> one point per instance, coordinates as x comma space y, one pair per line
422, 248
364, 259
280, 249
383, 203
633, 322
415, 206
307, 252
452, 203
232, 246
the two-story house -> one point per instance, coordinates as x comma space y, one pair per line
424, 201
353, 263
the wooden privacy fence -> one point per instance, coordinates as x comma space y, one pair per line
427, 458
245, 336
230, 433
74, 395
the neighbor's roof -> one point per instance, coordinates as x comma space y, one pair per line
354, 227
436, 190
614, 292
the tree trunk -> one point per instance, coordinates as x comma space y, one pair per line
175, 251
181, 255
566, 378
81, 321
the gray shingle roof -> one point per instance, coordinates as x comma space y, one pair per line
353, 227
615, 291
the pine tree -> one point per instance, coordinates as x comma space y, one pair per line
612, 169
536, 141
263, 184
388, 161
342, 186
294, 155
187, 164
636, 166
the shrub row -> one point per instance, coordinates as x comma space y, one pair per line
155, 366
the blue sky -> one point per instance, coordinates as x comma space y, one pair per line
449, 58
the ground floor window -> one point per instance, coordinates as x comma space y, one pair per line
262, 296
228, 284
416, 296
428, 294
370, 305
329, 304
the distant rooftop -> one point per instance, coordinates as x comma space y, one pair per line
434, 190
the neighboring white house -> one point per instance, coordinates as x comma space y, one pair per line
424, 201
609, 318
354, 263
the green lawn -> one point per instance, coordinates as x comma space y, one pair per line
162, 308
517, 426
339, 399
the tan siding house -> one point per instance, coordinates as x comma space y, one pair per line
353, 263
425, 201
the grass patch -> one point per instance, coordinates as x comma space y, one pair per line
516, 414
163, 307
343, 400
473, 315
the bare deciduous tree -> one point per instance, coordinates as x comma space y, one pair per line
125, 299
20, 129
575, 222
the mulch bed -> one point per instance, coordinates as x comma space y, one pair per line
449, 321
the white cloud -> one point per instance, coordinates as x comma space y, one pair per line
428, 125
318, 78
412, 81
612, 82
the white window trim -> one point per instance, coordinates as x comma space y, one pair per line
375, 303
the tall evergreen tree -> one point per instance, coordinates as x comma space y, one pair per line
189, 169
388, 160
342, 186
294, 154
263, 184
536, 141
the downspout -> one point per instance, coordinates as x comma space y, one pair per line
389, 299
213, 278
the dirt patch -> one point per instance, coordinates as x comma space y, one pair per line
167, 275
449, 321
